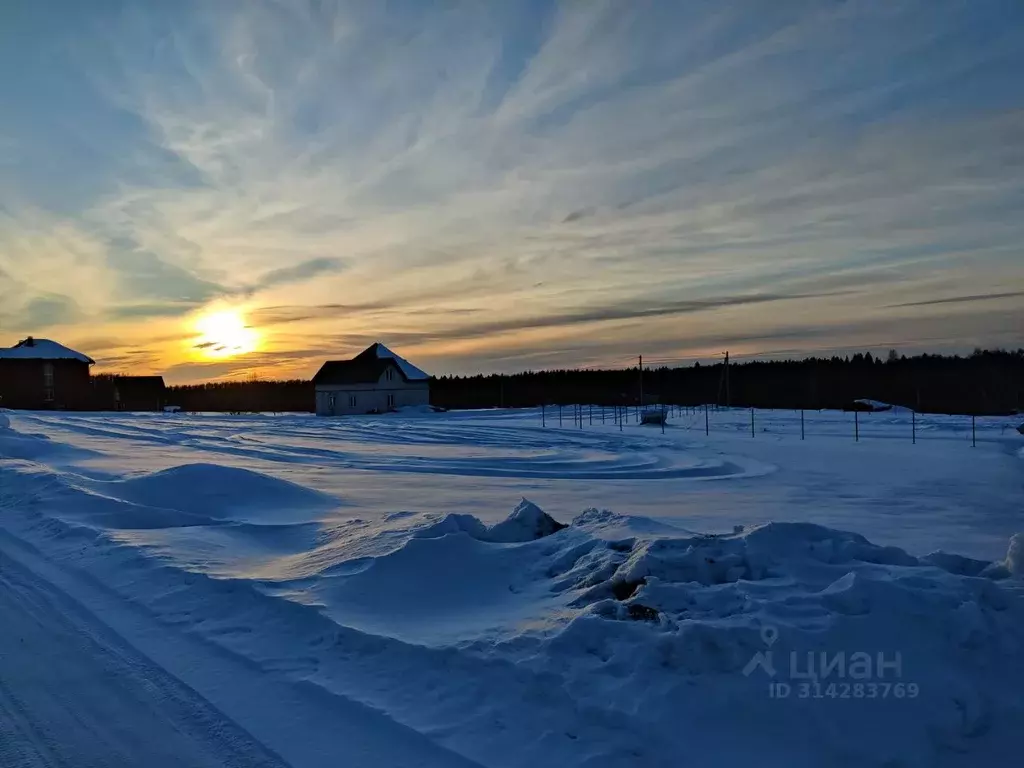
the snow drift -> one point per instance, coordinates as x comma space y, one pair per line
612, 640
526, 523
217, 492
590, 648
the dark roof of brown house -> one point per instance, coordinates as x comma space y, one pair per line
366, 368
355, 371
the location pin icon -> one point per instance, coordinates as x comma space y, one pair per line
769, 635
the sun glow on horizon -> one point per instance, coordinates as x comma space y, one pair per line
225, 334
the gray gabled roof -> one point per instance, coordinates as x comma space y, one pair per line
367, 367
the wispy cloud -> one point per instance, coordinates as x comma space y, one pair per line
298, 273
963, 299
499, 185
46, 310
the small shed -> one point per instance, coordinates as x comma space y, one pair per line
129, 393
374, 381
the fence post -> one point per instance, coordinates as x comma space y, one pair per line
622, 416
559, 414
543, 416
974, 434
856, 426
913, 426
591, 406
751, 422
581, 415
801, 423
707, 424
602, 414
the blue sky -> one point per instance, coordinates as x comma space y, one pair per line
500, 186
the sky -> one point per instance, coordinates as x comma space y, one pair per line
233, 188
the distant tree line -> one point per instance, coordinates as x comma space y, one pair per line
295, 395
985, 382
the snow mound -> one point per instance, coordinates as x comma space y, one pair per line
413, 410
527, 522
659, 633
215, 491
956, 564
1011, 565
452, 524
608, 524
435, 591
35, 447
674, 628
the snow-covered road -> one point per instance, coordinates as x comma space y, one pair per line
260, 590
89, 679
73, 692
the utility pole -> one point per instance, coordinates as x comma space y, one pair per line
723, 397
728, 402
641, 381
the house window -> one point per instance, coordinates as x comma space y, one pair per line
48, 382
391, 401
389, 373
351, 401
330, 403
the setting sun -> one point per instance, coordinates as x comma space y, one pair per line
225, 334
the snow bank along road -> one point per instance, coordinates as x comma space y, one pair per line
290, 591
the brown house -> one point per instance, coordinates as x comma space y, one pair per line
38, 374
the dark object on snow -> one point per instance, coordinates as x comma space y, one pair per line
639, 612
1021, 429
623, 590
654, 416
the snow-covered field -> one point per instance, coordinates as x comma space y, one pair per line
285, 590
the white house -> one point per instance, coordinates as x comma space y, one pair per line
374, 381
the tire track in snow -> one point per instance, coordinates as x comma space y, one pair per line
466, 450
103, 682
73, 693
